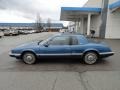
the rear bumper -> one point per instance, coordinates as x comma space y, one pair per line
106, 54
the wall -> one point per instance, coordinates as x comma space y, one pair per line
113, 25
112, 1
95, 24
97, 3
113, 20
95, 20
93, 3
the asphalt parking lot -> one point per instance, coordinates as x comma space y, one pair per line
58, 70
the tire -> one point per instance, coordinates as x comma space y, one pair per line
90, 58
29, 58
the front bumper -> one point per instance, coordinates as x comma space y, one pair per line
106, 54
14, 55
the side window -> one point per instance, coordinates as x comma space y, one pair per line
61, 40
74, 41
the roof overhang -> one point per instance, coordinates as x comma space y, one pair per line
115, 6
75, 13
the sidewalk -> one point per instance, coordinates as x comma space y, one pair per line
91, 80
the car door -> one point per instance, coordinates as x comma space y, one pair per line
57, 46
76, 47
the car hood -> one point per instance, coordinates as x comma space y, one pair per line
28, 45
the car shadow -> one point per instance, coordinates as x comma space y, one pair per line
58, 64
58, 60
66, 61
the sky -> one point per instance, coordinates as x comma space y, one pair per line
26, 11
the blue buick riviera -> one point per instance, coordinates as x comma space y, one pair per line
62, 45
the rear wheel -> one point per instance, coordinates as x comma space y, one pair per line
90, 58
29, 58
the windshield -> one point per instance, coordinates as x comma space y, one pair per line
44, 41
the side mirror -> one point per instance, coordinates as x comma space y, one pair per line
46, 45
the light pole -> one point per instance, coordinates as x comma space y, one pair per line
104, 13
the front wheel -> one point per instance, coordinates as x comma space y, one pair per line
90, 58
29, 58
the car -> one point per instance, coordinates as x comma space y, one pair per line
6, 32
14, 32
24, 32
11, 32
1, 34
62, 45
62, 31
31, 31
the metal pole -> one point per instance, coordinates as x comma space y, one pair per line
104, 18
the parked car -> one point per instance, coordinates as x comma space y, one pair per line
6, 32
31, 31
23, 32
62, 31
62, 45
1, 33
11, 32
39, 31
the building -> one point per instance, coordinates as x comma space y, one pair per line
86, 18
53, 27
17, 26
30, 26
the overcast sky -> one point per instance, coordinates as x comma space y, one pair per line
26, 10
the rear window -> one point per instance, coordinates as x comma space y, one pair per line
83, 40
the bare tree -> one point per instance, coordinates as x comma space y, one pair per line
48, 24
38, 23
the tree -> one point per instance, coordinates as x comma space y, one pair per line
38, 23
48, 23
